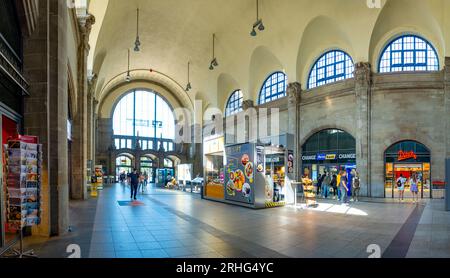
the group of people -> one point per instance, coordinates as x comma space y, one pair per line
338, 185
136, 180
413, 186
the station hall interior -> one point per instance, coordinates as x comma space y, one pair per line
224, 129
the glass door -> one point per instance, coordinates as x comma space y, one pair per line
389, 183
426, 181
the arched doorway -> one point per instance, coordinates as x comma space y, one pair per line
124, 164
328, 150
407, 158
148, 166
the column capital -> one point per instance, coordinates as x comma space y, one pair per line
247, 104
86, 23
363, 73
294, 92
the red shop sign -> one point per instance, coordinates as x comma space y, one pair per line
406, 155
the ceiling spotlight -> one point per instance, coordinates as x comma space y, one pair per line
188, 86
128, 77
137, 43
214, 62
261, 26
258, 24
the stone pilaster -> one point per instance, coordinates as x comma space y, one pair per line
447, 104
294, 92
91, 118
46, 111
81, 119
363, 78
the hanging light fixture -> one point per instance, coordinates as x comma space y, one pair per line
189, 86
259, 23
128, 77
137, 43
214, 62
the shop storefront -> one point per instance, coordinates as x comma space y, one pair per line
166, 174
408, 159
214, 155
328, 150
13, 87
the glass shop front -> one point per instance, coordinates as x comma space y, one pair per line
328, 150
408, 159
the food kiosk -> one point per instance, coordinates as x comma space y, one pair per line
256, 175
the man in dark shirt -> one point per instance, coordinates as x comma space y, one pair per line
134, 183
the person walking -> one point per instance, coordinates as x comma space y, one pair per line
413, 182
134, 184
343, 188
145, 181
338, 184
401, 187
326, 185
319, 183
356, 187
334, 186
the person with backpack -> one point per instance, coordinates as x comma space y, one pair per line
333, 185
356, 186
401, 187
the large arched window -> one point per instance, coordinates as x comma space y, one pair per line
143, 114
408, 53
234, 103
332, 66
274, 88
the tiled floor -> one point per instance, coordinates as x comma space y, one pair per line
175, 224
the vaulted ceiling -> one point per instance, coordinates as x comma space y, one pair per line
174, 32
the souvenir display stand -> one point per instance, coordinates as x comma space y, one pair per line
22, 172
309, 193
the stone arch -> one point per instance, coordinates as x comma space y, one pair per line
319, 129
416, 18
262, 64
321, 35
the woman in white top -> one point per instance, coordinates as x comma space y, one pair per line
401, 187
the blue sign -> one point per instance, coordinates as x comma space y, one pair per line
321, 157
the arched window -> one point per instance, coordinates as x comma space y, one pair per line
168, 163
332, 66
408, 53
144, 114
234, 104
274, 88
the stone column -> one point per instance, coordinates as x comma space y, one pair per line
447, 104
46, 111
294, 92
80, 123
363, 78
91, 118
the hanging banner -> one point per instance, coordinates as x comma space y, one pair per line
290, 163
